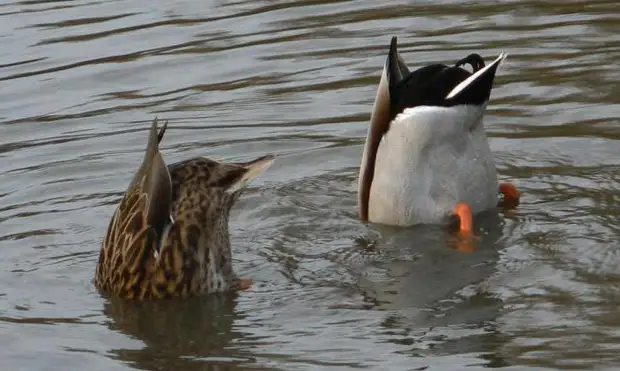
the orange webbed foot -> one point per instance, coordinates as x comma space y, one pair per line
465, 233
243, 284
509, 195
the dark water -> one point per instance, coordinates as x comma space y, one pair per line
80, 81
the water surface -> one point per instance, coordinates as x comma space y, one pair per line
80, 81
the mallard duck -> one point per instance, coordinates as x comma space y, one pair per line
427, 158
169, 235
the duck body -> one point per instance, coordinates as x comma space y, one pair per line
169, 235
423, 169
426, 149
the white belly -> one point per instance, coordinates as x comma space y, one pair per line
423, 168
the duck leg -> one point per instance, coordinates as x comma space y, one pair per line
509, 195
465, 220
465, 232
243, 283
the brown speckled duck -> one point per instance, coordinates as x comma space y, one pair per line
169, 235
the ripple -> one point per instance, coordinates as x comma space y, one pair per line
237, 79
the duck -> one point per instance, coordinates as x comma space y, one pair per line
168, 236
426, 157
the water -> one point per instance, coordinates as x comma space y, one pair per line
80, 81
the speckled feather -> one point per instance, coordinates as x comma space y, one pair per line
169, 235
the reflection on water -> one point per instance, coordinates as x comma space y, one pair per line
82, 79
177, 334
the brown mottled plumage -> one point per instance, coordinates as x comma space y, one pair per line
169, 235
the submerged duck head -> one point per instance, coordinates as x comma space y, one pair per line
169, 236
422, 96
